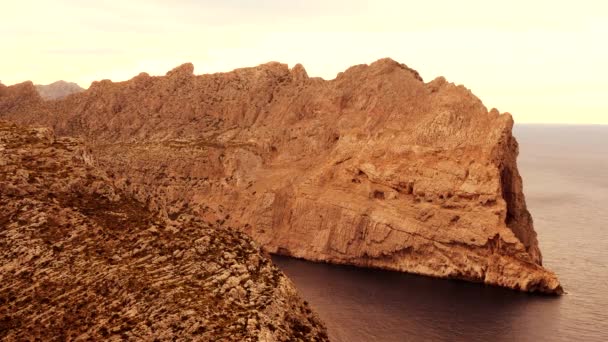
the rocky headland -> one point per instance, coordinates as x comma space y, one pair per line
374, 168
82, 260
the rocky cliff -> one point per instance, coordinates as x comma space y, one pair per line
81, 260
58, 90
374, 168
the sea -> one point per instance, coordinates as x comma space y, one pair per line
565, 174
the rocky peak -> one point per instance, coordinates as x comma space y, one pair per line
387, 65
380, 69
24, 89
436, 84
299, 74
100, 85
18, 96
374, 168
184, 70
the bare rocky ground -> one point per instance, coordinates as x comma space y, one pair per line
82, 260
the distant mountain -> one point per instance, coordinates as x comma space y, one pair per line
58, 90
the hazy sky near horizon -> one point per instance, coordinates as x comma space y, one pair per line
542, 61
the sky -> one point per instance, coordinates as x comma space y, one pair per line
542, 61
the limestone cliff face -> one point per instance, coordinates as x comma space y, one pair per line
82, 260
375, 168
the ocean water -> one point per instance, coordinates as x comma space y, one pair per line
565, 172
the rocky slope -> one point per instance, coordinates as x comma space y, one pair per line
82, 260
375, 168
58, 90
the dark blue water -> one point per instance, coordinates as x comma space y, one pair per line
565, 171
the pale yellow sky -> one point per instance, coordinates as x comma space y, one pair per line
543, 61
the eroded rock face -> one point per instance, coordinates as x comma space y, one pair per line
80, 259
374, 168
58, 90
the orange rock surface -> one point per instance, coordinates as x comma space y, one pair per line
374, 168
82, 260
